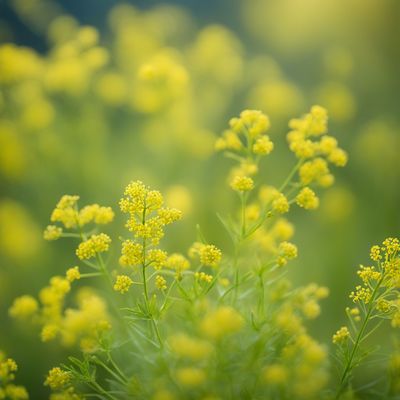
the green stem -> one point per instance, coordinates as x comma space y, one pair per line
146, 294
291, 174
243, 213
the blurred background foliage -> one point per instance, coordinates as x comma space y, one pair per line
96, 93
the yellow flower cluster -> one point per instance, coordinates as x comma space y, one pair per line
341, 335
66, 211
252, 122
52, 232
242, 183
123, 283
94, 245
147, 217
307, 199
87, 323
208, 254
247, 139
57, 378
378, 299
161, 283
177, 262
8, 390
202, 276
304, 143
70, 216
24, 307
286, 251
73, 274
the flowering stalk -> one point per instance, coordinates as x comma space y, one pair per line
377, 298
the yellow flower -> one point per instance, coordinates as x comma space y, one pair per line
341, 335
66, 211
132, 253
123, 283
242, 183
73, 274
202, 276
161, 283
338, 157
210, 255
286, 251
307, 199
52, 232
23, 307
280, 203
57, 378
263, 146
96, 244
95, 213
375, 253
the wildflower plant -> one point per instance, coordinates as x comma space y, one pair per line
8, 389
211, 323
375, 300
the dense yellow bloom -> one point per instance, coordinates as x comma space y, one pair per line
313, 171
86, 324
139, 202
286, 251
223, 321
123, 283
156, 258
73, 274
341, 335
57, 378
391, 246
242, 183
263, 145
307, 199
280, 203
253, 122
161, 283
361, 294
368, 274
7, 368
229, 141
185, 346
132, 253
15, 392
52, 232
96, 244
23, 307
210, 255
202, 276
95, 213
375, 253
66, 211
177, 262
